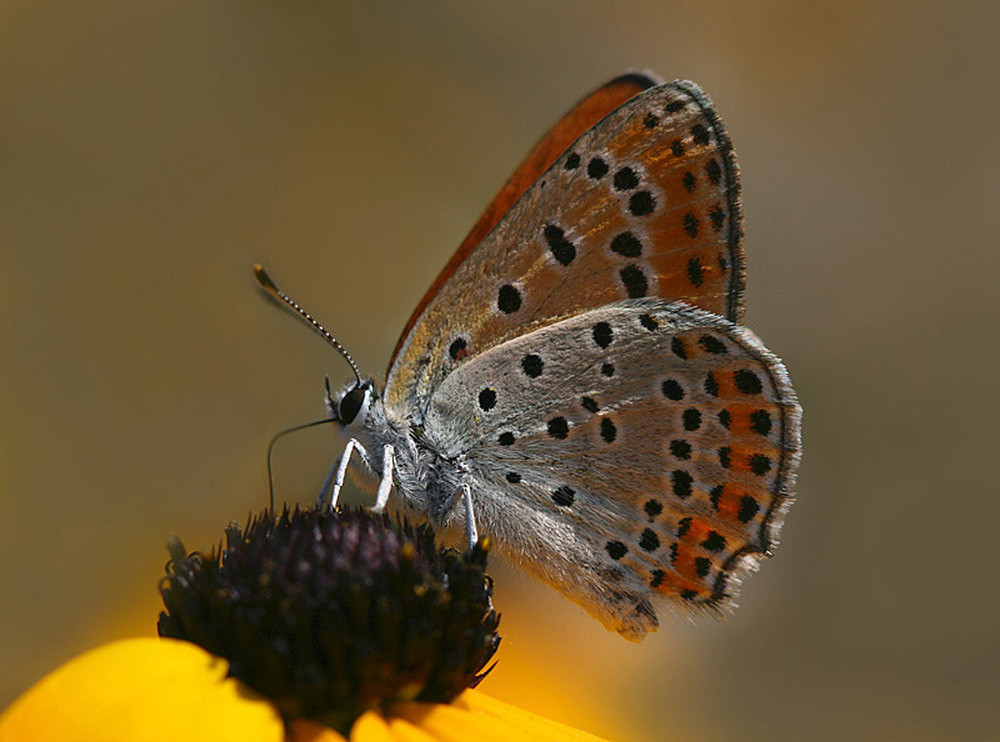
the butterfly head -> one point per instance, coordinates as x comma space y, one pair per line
351, 406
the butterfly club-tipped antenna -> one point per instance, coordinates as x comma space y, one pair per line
272, 288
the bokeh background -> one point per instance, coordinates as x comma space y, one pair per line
150, 152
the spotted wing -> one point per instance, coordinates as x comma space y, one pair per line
645, 203
640, 449
585, 114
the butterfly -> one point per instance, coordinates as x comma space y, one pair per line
577, 384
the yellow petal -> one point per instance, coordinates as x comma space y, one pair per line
154, 690
476, 716
407, 731
370, 727
304, 730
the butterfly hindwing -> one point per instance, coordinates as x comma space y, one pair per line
637, 449
644, 204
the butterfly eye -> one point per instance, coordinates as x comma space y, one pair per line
355, 401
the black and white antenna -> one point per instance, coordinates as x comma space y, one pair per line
271, 288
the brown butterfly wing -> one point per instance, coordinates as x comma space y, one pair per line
567, 130
645, 203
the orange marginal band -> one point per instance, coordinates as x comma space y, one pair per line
570, 127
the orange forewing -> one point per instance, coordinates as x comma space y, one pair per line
567, 130
643, 204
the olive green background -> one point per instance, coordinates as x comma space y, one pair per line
150, 152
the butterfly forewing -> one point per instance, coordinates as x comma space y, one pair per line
585, 114
644, 204
652, 447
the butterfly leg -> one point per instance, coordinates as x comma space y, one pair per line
340, 467
382, 496
471, 534
324, 490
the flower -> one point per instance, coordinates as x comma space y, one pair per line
330, 614
307, 627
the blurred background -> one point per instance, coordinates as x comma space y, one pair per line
150, 152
